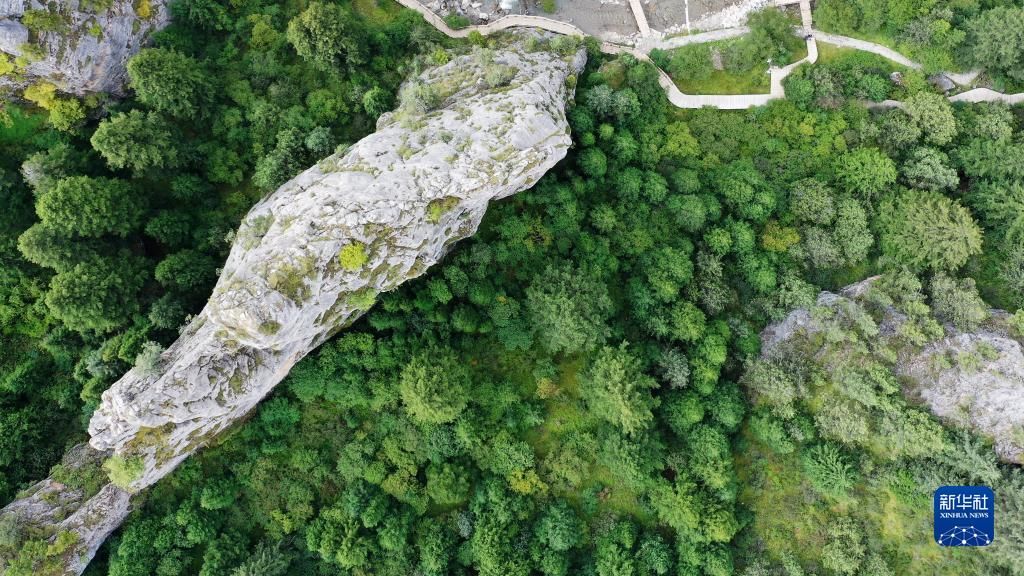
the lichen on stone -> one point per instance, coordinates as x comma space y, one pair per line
79, 48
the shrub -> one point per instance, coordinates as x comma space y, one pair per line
148, 361
123, 471
828, 470
353, 256
456, 21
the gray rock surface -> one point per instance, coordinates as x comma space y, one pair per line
973, 380
54, 507
311, 258
801, 321
89, 49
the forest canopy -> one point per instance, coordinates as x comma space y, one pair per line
580, 387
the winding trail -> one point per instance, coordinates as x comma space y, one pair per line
961, 78
653, 39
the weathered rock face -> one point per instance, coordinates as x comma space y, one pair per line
312, 257
60, 508
84, 47
973, 380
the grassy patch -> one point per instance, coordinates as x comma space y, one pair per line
755, 81
752, 81
832, 54
789, 516
353, 256
376, 12
123, 471
18, 125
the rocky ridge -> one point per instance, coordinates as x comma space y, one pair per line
966, 379
81, 46
311, 258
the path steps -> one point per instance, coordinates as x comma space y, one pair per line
650, 40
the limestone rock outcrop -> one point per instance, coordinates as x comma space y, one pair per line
966, 379
60, 506
310, 258
79, 46
984, 393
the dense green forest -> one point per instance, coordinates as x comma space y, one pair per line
577, 389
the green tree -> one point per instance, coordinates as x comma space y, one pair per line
91, 207
447, 483
169, 82
865, 172
327, 36
996, 42
568, 309
186, 270
844, 551
933, 114
771, 37
828, 470
96, 295
811, 200
266, 560
137, 140
377, 101
593, 162
929, 169
434, 387
922, 229
958, 302
896, 131
616, 389
436, 544
559, 527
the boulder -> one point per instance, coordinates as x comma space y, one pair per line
973, 380
942, 82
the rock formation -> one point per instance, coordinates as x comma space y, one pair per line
974, 380
81, 46
968, 379
312, 257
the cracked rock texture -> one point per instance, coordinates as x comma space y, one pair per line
58, 507
310, 258
987, 397
973, 380
89, 46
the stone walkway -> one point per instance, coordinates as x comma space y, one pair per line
847, 42
641, 18
650, 40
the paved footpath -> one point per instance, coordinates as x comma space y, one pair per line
847, 42
640, 17
651, 39
652, 42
